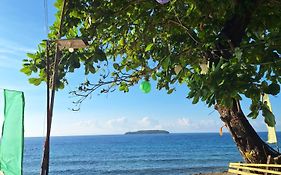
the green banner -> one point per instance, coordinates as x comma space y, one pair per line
11, 147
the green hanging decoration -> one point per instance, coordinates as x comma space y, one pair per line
145, 86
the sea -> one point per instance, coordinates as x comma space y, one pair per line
162, 154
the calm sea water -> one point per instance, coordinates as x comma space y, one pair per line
172, 154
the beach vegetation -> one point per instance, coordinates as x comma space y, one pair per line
223, 51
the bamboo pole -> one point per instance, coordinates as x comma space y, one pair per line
254, 169
267, 162
46, 144
51, 99
255, 165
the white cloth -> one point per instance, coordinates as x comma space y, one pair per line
271, 137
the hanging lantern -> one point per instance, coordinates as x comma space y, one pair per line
162, 1
145, 87
177, 69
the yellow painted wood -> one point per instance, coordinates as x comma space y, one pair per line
257, 165
241, 172
254, 169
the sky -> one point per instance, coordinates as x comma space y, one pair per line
21, 30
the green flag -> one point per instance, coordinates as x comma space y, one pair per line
11, 147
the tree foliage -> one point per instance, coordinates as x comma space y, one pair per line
130, 40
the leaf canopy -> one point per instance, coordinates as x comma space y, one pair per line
168, 43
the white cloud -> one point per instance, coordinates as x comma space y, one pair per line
209, 124
145, 122
8, 62
97, 125
87, 124
148, 123
31, 129
116, 123
184, 122
12, 54
12, 47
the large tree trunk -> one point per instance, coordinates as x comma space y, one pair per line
250, 145
252, 148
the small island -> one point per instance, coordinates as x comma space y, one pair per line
148, 132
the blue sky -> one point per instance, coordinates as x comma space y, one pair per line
22, 28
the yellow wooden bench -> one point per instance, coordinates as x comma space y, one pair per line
254, 169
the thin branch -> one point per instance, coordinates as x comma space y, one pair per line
183, 26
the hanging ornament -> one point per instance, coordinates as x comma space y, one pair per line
162, 1
145, 86
204, 67
177, 69
221, 129
71, 50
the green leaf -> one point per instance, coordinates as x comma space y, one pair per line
26, 70
170, 91
100, 55
255, 107
166, 63
116, 66
191, 94
253, 115
238, 53
35, 81
148, 47
31, 55
153, 76
195, 99
92, 69
269, 118
61, 85
273, 89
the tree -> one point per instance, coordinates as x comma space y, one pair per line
171, 43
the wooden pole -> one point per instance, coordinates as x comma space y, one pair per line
51, 97
50, 107
47, 140
267, 162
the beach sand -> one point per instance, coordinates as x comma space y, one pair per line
219, 173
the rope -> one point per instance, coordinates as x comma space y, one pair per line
46, 19
46, 29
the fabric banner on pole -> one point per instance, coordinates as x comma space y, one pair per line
11, 147
272, 139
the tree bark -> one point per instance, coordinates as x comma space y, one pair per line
252, 148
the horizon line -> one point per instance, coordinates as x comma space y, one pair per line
119, 134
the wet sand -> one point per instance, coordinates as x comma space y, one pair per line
219, 173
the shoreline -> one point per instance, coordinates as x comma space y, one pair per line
217, 173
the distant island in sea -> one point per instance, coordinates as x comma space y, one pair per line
148, 132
